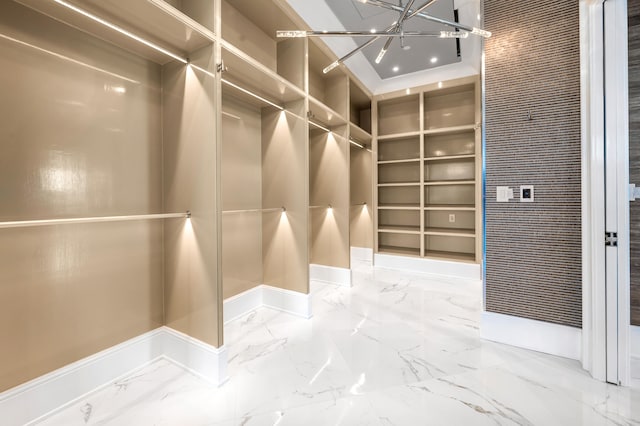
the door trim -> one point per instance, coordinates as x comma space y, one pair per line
617, 136
595, 44
593, 214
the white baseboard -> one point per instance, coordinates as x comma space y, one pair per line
362, 254
471, 271
236, 306
292, 302
330, 275
539, 336
634, 337
200, 358
45, 394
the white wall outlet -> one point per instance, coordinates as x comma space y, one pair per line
526, 194
452, 218
503, 194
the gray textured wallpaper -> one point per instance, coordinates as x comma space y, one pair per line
634, 153
533, 253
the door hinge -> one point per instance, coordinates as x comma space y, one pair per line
634, 192
611, 239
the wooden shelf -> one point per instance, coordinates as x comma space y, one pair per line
399, 184
405, 251
359, 134
449, 182
399, 206
408, 160
398, 135
399, 229
455, 207
450, 157
455, 129
154, 20
451, 232
324, 114
257, 78
449, 255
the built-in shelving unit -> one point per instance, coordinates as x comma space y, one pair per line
427, 143
217, 116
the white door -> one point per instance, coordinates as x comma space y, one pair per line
616, 195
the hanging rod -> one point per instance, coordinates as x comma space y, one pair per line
326, 206
276, 209
30, 223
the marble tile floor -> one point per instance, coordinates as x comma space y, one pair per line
395, 349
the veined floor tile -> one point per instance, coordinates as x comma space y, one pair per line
395, 349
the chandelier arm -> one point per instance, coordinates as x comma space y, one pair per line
391, 6
387, 43
420, 9
356, 50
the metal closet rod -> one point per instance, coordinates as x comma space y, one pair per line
31, 223
325, 206
275, 209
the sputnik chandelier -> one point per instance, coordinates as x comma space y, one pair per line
392, 31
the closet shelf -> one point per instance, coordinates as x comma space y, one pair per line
404, 251
449, 182
382, 138
359, 134
455, 129
245, 71
450, 255
398, 229
408, 160
450, 157
398, 206
451, 232
154, 20
324, 114
387, 184
267, 210
455, 207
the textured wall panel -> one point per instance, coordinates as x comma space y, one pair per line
634, 153
533, 249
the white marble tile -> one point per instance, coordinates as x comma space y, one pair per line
395, 349
162, 394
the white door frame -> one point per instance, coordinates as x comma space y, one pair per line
604, 124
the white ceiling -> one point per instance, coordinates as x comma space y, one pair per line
414, 65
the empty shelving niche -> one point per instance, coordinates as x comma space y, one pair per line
428, 171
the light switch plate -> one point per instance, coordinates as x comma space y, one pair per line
526, 194
503, 194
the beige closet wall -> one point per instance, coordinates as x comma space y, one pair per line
329, 186
192, 291
79, 136
285, 184
241, 190
361, 227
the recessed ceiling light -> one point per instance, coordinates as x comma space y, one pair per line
396, 68
434, 60
373, 31
439, 85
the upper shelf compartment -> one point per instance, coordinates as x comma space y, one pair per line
450, 107
359, 107
399, 115
250, 26
326, 91
152, 29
